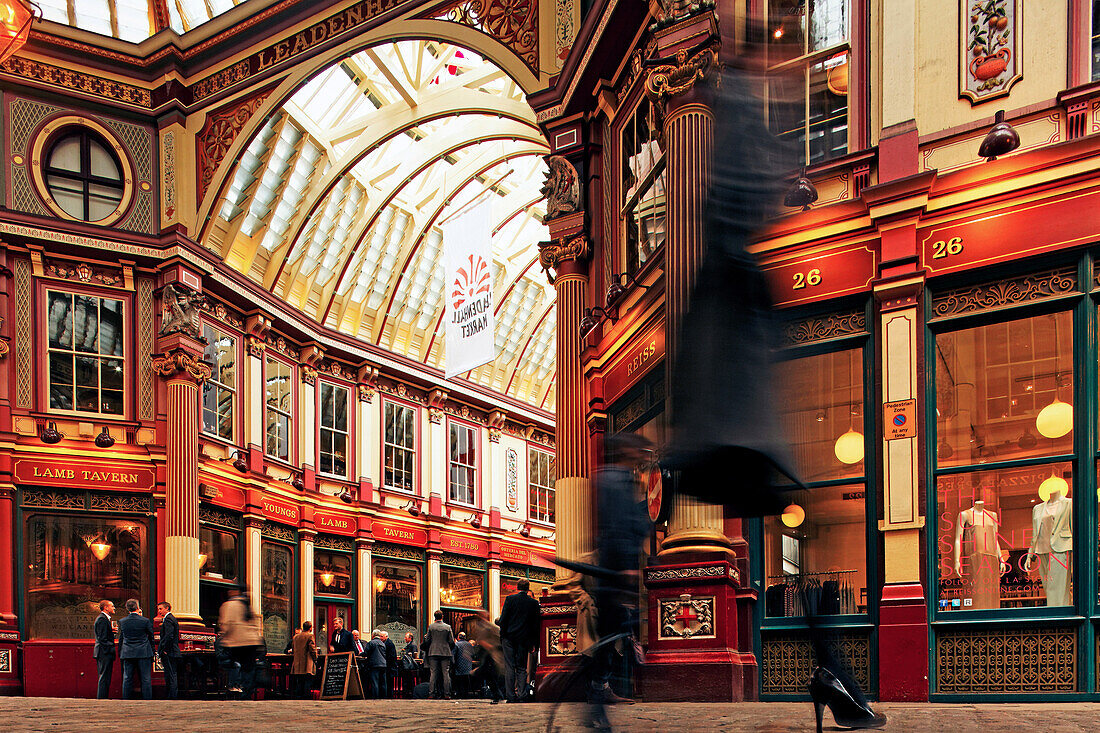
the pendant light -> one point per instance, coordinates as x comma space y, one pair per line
1056, 419
849, 447
16, 17
100, 549
793, 516
1053, 484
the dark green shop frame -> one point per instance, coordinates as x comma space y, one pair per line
859, 623
1084, 615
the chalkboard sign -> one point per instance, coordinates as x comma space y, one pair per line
340, 680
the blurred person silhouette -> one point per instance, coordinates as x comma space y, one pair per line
723, 419
240, 635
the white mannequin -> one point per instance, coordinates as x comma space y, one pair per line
1052, 545
984, 552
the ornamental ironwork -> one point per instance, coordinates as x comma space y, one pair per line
1006, 660
988, 296
461, 561
558, 609
118, 503
515, 23
216, 517
823, 328
278, 532
787, 660
53, 499
542, 576
332, 542
513, 571
399, 552
706, 571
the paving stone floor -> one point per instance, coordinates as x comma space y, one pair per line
111, 716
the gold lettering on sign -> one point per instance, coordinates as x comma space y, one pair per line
54, 472
641, 358
323, 30
396, 533
802, 279
945, 248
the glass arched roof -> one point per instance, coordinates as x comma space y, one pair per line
132, 20
335, 205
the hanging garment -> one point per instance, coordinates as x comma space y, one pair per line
982, 559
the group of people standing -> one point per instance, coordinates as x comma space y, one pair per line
135, 649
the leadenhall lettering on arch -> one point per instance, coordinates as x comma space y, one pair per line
331, 27
478, 311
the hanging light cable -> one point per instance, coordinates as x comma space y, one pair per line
849, 447
1056, 419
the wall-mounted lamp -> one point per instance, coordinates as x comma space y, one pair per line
618, 287
1001, 139
203, 557
327, 577
525, 531
238, 460
16, 17
50, 435
593, 317
412, 508
346, 496
298, 482
475, 520
801, 194
104, 439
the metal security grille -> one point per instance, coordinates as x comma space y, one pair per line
1006, 660
786, 660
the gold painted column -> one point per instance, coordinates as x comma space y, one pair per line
182, 367
574, 519
688, 132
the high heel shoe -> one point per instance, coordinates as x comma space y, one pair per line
827, 690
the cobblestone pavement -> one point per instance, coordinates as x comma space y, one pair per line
476, 716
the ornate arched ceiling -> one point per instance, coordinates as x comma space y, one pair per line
335, 204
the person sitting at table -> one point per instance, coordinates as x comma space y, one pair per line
304, 664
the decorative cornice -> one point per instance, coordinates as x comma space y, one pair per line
988, 296
823, 328
180, 362
256, 346
308, 373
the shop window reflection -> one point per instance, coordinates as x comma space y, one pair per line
332, 573
397, 600
461, 588
276, 595
218, 555
1005, 538
1004, 391
72, 563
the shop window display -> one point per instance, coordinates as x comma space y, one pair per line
1006, 538
332, 573
1004, 394
819, 545
218, 555
72, 563
461, 588
397, 599
276, 583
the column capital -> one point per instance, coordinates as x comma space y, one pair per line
556, 252
181, 362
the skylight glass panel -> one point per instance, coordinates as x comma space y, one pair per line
93, 15
135, 20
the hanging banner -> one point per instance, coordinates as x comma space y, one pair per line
468, 254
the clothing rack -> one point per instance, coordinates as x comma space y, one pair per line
831, 592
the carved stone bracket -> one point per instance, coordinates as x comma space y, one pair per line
368, 383
437, 400
496, 425
179, 361
256, 346
556, 251
309, 374
562, 188
180, 312
672, 80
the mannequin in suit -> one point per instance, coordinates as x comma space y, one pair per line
1052, 544
976, 535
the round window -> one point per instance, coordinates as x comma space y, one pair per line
83, 175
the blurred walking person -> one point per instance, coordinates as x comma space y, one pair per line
239, 633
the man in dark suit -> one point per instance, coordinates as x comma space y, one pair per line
392, 670
439, 645
341, 638
169, 647
104, 651
136, 650
519, 634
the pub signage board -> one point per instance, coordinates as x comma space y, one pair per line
280, 511
462, 545
335, 523
825, 274
639, 357
518, 555
1022, 231
340, 678
401, 534
73, 473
